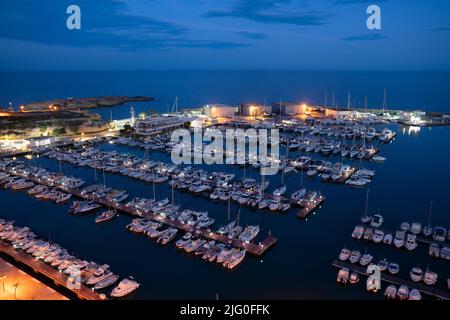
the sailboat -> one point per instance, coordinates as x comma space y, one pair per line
365, 218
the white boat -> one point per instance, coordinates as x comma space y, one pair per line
249, 233
410, 243
439, 233
405, 226
378, 159
399, 239
345, 254
415, 295
358, 232
416, 228
279, 191
445, 253
125, 287
403, 293
311, 172
430, 278
378, 236
365, 259
355, 256
223, 255
354, 278
416, 274
387, 239
383, 264
391, 292
434, 250
393, 268
376, 221
236, 257
342, 276
105, 216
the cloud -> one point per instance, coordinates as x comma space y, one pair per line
271, 11
358, 1
104, 23
252, 35
365, 37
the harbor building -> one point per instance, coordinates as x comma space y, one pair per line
254, 110
288, 108
155, 125
220, 111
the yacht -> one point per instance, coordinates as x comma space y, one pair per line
354, 278
205, 248
212, 254
434, 250
368, 234
275, 204
223, 255
415, 295
194, 245
410, 243
234, 259
391, 292
365, 259
393, 268
355, 256
107, 281
376, 221
105, 216
416, 228
405, 226
387, 239
416, 274
427, 231
358, 232
279, 191
345, 254
445, 253
399, 239
125, 287
264, 203
403, 293
167, 236
311, 172
184, 241
227, 228
439, 233
249, 233
383, 264
298, 195
343, 275
430, 278
378, 236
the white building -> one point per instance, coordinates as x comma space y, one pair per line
219, 111
154, 125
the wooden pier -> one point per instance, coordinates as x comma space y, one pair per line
41, 268
310, 206
252, 248
430, 291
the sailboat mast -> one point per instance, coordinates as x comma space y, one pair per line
367, 202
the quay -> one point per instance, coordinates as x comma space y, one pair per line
395, 280
45, 270
310, 206
252, 248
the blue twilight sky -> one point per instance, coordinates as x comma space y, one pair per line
224, 34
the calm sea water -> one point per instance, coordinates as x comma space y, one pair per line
298, 267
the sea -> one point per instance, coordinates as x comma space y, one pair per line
415, 174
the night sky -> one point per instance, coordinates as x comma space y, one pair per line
218, 34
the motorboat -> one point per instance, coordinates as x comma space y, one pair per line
184, 241
383, 264
365, 259
205, 248
249, 233
405, 226
355, 256
167, 236
445, 253
342, 276
105, 216
279, 191
415, 295
225, 229
223, 255
345, 254
236, 257
358, 232
387, 239
125, 287
106, 281
354, 278
194, 245
416, 228
416, 274
399, 239
403, 293
434, 250
100, 274
377, 221
393, 268
391, 292
410, 243
427, 231
439, 233
430, 278
368, 233
378, 236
